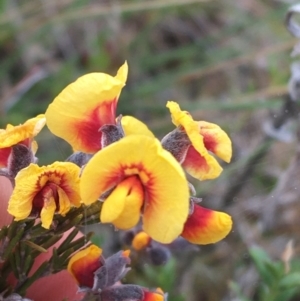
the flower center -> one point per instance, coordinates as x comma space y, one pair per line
123, 205
42, 198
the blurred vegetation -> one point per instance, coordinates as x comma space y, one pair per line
278, 282
227, 62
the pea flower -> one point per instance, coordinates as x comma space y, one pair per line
192, 143
205, 226
44, 191
17, 147
139, 177
83, 107
99, 276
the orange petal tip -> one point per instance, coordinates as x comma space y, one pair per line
126, 253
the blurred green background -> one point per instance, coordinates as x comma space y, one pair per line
227, 62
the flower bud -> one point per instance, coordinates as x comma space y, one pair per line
159, 255
83, 265
140, 241
20, 157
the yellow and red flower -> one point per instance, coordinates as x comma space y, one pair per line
44, 191
83, 107
83, 265
20, 134
203, 138
205, 226
141, 177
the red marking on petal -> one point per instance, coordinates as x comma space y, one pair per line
209, 142
48, 174
26, 142
48, 191
84, 269
113, 179
195, 161
87, 130
4, 154
134, 166
206, 226
145, 177
197, 221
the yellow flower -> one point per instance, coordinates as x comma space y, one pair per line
205, 226
83, 107
20, 134
83, 265
203, 138
45, 190
142, 177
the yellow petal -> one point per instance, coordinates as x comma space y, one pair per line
178, 116
69, 180
79, 111
133, 126
216, 140
113, 205
130, 215
206, 226
16, 134
164, 182
20, 203
34, 146
122, 73
47, 213
64, 202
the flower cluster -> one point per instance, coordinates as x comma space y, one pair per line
119, 167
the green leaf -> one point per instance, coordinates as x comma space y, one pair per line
263, 262
12, 243
275, 268
35, 246
68, 224
28, 263
290, 281
13, 264
3, 232
65, 244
